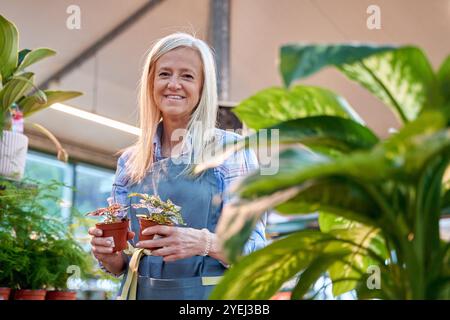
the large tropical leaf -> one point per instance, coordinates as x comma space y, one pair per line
33, 104
367, 248
402, 78
314, 271
15, 89
326, 134
275, 105
355, 265
334, 195
34, 56
260, 274
400, 157
9, 38
300, 61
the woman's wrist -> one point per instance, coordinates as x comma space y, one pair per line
115, 266
212, 247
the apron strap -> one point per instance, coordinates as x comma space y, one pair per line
129, 289
130, 286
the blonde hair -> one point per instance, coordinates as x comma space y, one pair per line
142, 152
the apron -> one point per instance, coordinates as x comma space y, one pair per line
189, 278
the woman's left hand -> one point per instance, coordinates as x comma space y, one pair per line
175, 242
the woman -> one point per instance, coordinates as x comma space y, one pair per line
178, 98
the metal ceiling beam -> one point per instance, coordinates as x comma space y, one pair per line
100, 43
219, 38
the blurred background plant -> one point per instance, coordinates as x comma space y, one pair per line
37, 245
16, 83
379, 201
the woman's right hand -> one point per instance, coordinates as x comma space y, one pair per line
102, 249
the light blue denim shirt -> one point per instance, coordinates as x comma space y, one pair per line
235, 167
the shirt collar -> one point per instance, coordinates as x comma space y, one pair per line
157, 143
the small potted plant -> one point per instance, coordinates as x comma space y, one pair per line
12, 261
157, 212
115, 225
62, 254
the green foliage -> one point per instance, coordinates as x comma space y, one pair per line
379, 201
157, 210
298, 102
36, 247
15, 84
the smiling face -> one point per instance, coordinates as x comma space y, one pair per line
178, 80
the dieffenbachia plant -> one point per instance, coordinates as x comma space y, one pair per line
379, 200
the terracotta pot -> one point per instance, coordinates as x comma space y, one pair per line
145, 223
4, 293
117, 230
61, 295
30, 294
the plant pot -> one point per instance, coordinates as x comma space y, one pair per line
13, 154
145, 223
118, 231
30, 294
4, 293
61, 295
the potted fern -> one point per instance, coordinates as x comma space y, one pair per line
156, 211
12, 260
35, 246
379, 200
61, 254
19, 98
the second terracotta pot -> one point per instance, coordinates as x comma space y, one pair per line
61, 295
117, 230
4, 293
29, 294
145, 223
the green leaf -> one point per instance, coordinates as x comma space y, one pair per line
325, 131
324, 134
355, 265
444, 79
300, 61
329, 222
9, 38
401, 156
16, 88
31, 105
313, 272
22, 54
275, 105
402, 78
260, 274
34, 56
334, 195
426, 230
445, 207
